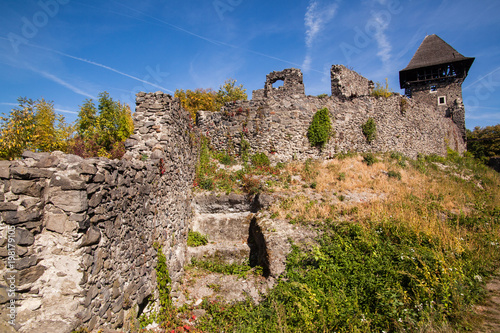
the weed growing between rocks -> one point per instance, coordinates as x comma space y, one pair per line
217, 266
196, 239
369, 130
216, 171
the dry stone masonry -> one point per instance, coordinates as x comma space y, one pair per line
277, 124
84, 229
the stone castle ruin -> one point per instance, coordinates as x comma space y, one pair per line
83, 230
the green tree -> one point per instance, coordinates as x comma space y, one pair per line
86, 124
484, 143
381, 91
102, 129
229, 92
17, 129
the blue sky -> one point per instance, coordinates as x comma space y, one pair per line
69, 50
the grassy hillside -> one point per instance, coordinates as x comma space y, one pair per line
405, 246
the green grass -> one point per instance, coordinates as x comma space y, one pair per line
196, 239
217, 266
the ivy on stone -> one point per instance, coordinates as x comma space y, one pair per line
163, 282
320, 130
369, 130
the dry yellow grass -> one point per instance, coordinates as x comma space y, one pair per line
416, 200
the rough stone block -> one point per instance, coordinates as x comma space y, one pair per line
69, 201
4, 169
7, 206
26, 262
66, 183
29, 173
26, 187
56, 220
24, 237
91, 237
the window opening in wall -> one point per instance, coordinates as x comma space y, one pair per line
434, 88
442, 100
278, 83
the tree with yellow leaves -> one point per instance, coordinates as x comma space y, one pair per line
208, 99
33, 125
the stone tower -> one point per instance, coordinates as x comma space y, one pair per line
435, 75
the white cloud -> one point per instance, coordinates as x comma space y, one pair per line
380, 24
315, 19
306, 65
60, 81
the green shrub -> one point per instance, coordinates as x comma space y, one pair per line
403, 105
244, 149
260, 160
196, 239
400, 158
370, 159
251, 185
369, 130
341, 176
319, 131
322, 96
394, 174
207, 184
378, 278
225, 159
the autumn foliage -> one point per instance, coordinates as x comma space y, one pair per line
208, 99
99, 130
33, 125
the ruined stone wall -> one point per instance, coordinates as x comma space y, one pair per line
84, 228
278, 126
349, 84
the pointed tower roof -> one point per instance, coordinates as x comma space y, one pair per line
434, 51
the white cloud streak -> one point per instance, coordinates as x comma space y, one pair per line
65, 111
315, 19
60, 81
105, 67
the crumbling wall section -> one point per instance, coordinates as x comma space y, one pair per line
84, 228
293, 84
347, 84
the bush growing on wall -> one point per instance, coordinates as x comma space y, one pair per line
381, 91
369, 130
320, 129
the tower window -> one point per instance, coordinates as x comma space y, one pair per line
442, 100
434, 88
